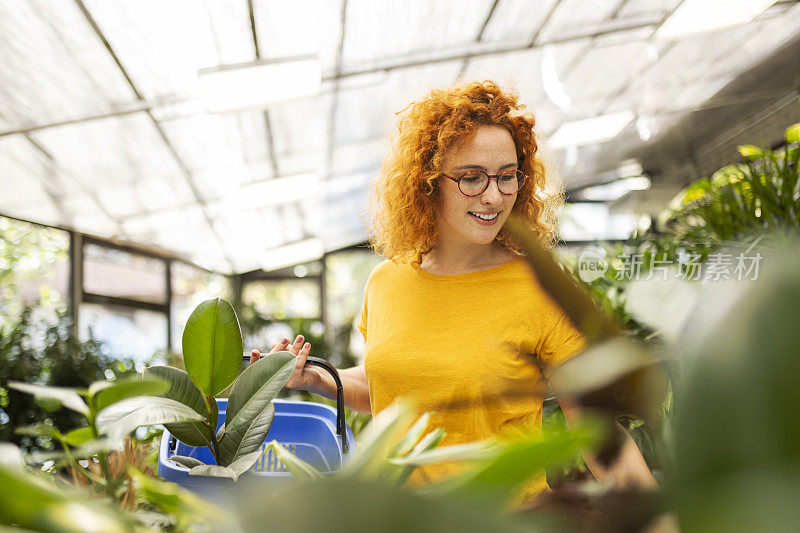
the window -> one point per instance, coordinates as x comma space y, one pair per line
118, 273
190, 287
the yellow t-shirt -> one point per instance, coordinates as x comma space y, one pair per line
461, 345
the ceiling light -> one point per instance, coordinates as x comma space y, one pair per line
616, 189
700, 16
590, 130
553, 87
275, 191
257, 85
292, 254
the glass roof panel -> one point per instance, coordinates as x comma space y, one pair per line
53, 66
163, 44
378, 30
299, 27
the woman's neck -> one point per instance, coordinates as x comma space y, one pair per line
453, 260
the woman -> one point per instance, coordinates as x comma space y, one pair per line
453, 318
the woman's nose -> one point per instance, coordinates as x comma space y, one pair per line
492, 194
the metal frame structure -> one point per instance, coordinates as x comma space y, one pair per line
76, 293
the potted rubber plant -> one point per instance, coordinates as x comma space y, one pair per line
212, 353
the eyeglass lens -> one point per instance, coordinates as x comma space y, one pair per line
476, 182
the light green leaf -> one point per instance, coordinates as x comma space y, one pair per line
428, 442
40, 430
233, 471
299, 468
377, 441
470, 451
514, 464
246, 439
256, 387
181, 503
793, 133
751, 151
121, 418
104, 393
11, 456
212, 346
412, 435
79, 437
184, 391
68, 397
188, 462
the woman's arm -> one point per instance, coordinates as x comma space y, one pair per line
629, 468
354, 386
319, 381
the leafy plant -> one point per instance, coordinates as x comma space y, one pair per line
35, 350
212, 354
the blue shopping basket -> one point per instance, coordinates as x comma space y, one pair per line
317, 433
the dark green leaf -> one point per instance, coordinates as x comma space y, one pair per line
233, 471
188, 462
184, 391
256, 387
212, 346
245, 439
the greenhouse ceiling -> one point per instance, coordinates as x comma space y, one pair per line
137, 120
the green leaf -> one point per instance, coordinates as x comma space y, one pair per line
256, 387
23, 496
233, 471
427, 443
180, 503
67, 397
104, 393
751, 151
469, 451
377, 441
121, 418
793, 133
412, 435
40, 430
212, 346
79, 437
184, 391
188, 462
300, 469
496, 479
246, 439
11, 456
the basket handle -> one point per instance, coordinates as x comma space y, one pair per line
341, 422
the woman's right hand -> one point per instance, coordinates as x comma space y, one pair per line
304, 377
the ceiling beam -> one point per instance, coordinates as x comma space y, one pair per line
479, 38
488, 50
144, 106
335, 90
267, 122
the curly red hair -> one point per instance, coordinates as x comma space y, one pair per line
401, 217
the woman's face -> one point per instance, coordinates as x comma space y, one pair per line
492, 150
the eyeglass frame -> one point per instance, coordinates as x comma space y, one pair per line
490, 176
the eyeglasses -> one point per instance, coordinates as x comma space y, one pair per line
475, 182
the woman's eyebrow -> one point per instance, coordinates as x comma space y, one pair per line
479, 167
